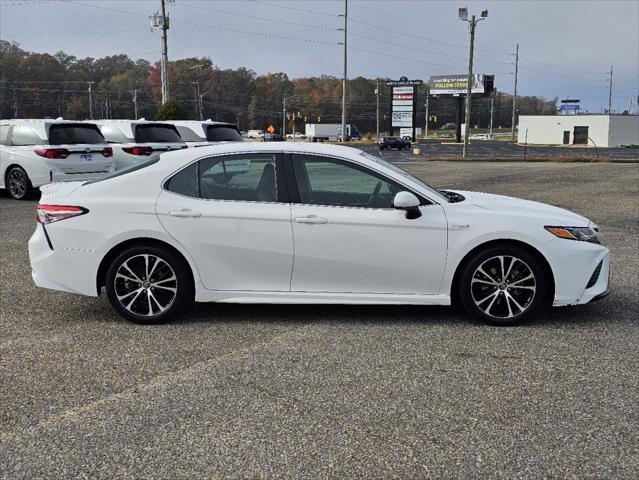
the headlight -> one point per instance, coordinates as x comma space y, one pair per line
584, 234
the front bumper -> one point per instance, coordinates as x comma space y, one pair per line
575, 266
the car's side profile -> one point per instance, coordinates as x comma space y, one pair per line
388, 143
305, 223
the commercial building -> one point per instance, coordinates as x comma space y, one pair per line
600, 130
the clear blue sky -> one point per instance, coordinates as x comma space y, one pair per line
566, 47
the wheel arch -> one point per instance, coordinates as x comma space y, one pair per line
454, 288
120, 247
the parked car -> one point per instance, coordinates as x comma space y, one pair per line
255, 134
479, 136
273, 137
295, 136
134, 141
307, 223
197, 133
36, 152
388, 143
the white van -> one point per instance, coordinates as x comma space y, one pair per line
198, 133
255, 134
136, 140
37, 152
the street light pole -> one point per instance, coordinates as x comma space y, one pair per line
515, 94
345, 72
284, 117
610, 93
426, 119
90, 101
377, 99
463, 15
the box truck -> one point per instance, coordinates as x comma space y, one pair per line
320, 132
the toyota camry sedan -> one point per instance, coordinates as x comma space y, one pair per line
307, 224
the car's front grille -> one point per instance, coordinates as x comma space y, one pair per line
595, 275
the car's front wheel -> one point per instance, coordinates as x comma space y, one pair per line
148, 284
18, 183
503, 285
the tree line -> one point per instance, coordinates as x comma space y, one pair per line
41, 85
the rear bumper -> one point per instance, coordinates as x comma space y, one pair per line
52, 266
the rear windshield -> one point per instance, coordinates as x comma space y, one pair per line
223, 133
70, 134
157, 134
125, 170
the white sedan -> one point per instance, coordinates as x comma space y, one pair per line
307, 224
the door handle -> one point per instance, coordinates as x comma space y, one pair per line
311, 220
185, 213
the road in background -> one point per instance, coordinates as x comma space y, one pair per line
328, 391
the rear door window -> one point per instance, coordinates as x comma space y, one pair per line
69, 134
23, 135
223, 133
157, 134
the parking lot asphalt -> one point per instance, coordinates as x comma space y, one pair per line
504, 151
328, 391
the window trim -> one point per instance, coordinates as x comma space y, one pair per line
282, 193
294, 188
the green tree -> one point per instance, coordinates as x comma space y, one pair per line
171, 110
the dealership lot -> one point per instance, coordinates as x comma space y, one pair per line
299, 391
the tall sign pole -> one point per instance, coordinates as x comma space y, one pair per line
469, 84
165, 56
345, 72
515, 94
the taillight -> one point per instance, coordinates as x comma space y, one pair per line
107, 152
146, 151
57, 153
54, 213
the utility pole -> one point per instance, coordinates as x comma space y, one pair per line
284, 116
135, 104
59, 105
15, 102
165, 56
610, 93
377, 99
426, 116
515, 94
492, 111
345, 72
90, 101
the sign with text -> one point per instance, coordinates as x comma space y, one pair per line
455, 84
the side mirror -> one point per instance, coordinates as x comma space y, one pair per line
409, 203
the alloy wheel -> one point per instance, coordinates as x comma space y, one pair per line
503, 287
17, 183
145, 285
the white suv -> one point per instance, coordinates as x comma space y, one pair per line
137, 140
37, 152
198, 133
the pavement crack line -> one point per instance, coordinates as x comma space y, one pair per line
156, 382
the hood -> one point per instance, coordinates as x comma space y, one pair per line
527, 208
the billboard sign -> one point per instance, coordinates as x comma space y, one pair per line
455, 85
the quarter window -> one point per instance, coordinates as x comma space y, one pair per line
25, 136
324, 181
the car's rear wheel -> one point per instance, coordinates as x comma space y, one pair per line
18, 183
148, 284
503, 285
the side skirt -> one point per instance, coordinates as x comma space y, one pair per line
203, 295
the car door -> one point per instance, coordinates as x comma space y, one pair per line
350, 239
231, 214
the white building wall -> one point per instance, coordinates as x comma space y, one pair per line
624, 130
549, 129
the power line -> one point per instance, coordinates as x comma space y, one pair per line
297, 9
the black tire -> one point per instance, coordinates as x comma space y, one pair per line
495, 301
157, 286
18, 184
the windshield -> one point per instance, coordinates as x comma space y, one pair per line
70, 134
124, 171
157, 133
223, 133
434, 192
